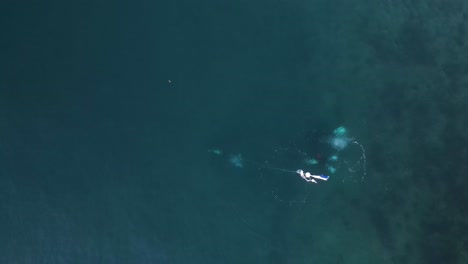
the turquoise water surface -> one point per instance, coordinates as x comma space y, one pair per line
110, 112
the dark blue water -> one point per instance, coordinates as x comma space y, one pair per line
108, 110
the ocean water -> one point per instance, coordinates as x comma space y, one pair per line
110, 110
